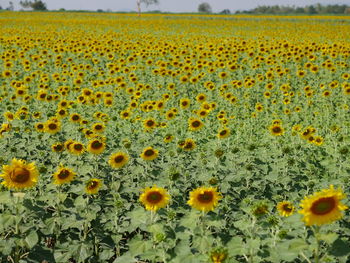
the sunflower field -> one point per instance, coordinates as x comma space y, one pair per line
174, 138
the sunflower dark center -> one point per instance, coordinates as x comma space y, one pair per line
287, 208
63, 174
119, 159
75, 117
40, 126
154, 197
150, 123
323, 206
96, 145
98, 127
58, 147
222, 133
149, 152
20, 175
78, 147
276, 129
196, 124
92, 185
205, 197
52, 126
188, 145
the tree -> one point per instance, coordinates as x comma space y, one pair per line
37, 5
147, 3
225, 12
204, 8
10, 7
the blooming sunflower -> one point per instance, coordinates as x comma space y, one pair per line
195, 124
93, 186
189, 145
19, 174
154, 198
77, 148
98, 127
118, 160
149, 124
276, 130
52, 126
204, 198
323, 207
63, 175
224, 133
285, 208
149, 154
96, 146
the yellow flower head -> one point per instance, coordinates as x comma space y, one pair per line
149, 154
96, 146
19, 174
63, 175
285, 208
118, 160
93, 186
323, 207
204, 198
154, 198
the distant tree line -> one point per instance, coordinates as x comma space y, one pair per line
310, 9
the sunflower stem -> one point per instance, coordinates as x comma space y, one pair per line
316, 231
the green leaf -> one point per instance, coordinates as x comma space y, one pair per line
32, 239
125, 258
138, 246
235, 246
329, 238
190, 220
340, 248
297, 245
5, 197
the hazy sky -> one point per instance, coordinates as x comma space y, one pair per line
172, 5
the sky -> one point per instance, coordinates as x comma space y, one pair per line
170, 5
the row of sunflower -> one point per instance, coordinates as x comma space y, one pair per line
320, 208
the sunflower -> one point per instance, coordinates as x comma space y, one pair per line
224, 133
276, 130
195, 124
125, 114
118, 160
77, 148
19, 174
184, 103
40, 127
285, 208
149, 154
58, 147
189, 145
98, 127
219, 255
93, 186
75, 117
149, 124
52, 126
96, 146
154, 198
170, 115
61, 113
168, 138
63, 175
318, 140
204, 198
323, 207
